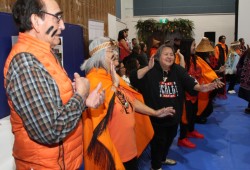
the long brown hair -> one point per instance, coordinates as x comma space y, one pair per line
185, 47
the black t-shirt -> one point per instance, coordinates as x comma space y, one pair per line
158, 94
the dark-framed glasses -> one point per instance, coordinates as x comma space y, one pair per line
58, 16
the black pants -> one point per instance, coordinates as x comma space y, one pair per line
131, 165
191, 111
232, 79
161, 142
222, 90
208, 110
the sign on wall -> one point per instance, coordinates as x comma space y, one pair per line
96, 29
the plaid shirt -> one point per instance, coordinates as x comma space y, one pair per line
36, 99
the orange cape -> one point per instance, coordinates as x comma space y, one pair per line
93, 117
208, 75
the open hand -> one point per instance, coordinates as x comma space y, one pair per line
151, 63
218, 83
179, 54
222, 69
166, 111
96, 97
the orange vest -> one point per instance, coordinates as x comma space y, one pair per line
29, 154
93, 117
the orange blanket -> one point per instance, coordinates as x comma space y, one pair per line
93, 117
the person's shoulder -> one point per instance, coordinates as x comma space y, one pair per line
177, 67
122, 40
24, 59
178, 70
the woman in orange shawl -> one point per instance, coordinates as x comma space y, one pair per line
114, 136
203, 73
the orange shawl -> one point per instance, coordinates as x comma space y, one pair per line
93, 118
208, 75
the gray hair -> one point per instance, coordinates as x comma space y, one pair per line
97, 60
160, 49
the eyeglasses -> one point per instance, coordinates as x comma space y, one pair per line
57, 16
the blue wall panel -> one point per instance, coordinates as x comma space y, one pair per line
7, 29
73, 49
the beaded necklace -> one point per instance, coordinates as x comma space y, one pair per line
123, 100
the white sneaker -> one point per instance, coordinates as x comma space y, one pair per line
169, 161
231, 91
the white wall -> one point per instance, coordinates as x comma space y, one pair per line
6, 144
112, 26
243, 21
221, 24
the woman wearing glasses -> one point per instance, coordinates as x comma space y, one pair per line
114, 133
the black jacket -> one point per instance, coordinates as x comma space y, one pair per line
158, 94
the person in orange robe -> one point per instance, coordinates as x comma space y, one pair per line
203, 73
205, 50
117, 132
221, 53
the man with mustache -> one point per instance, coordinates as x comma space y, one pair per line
45, 105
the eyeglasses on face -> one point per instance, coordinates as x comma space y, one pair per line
57, 16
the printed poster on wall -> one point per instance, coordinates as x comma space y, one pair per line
96, 29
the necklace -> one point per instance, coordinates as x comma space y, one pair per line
123, 100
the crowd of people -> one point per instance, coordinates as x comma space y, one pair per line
134, 96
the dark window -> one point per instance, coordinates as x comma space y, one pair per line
173, 7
